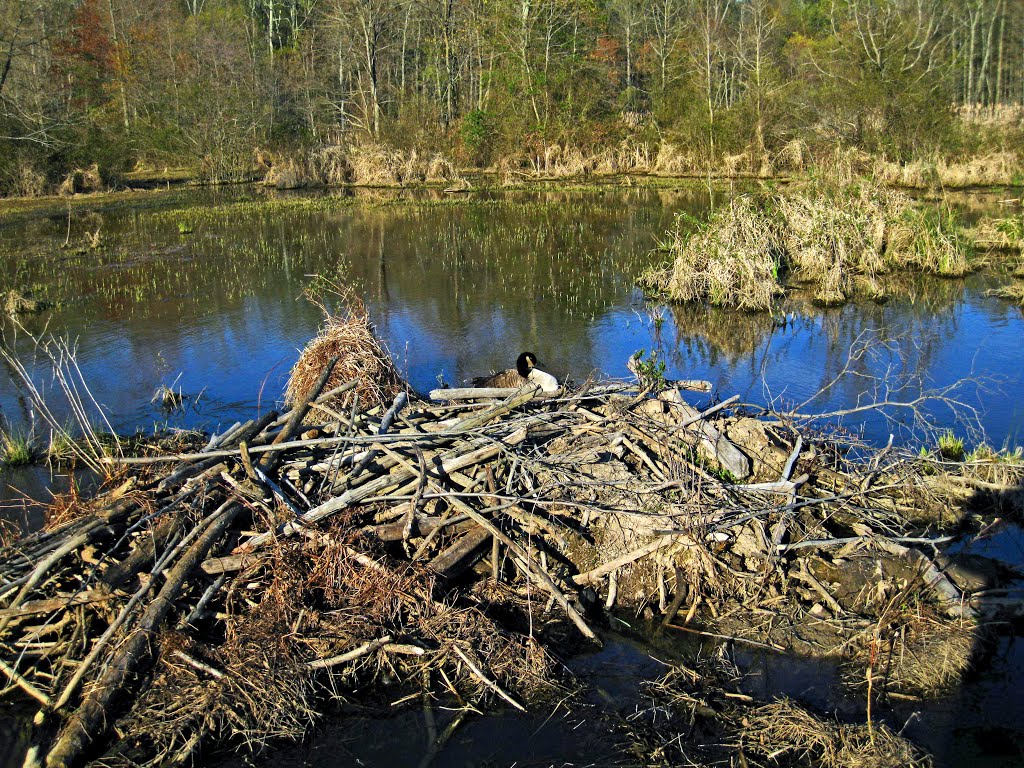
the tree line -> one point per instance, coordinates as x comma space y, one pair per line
210, 84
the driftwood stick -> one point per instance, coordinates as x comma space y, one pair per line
778, 486
804, 574
55, 604
210, 456
322, 398
44, 567
126, 612
681, 591
431, 534
200, 606
952, 599
297, 415
19, 680
400, 401
709, 411
461, 555
453, 462
486, 680
659, 543
787, 470
826, 543
355, 653
195, 663
728, 638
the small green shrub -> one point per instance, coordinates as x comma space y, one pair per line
649, 370
478, 131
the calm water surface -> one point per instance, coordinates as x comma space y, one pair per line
205, 292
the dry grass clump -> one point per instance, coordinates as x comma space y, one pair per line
1001, 167
793, 157
732, 260
841, 239
372, 165
693, 720
440, 168
843, 166
1014, 292
1001, 234
934, 241
288, 173
785, 728
627, 157
920, 656
19, 303
739, 164
249, 694
332, 165
563, 162
671, 160
316, 602
27, 181
350, 337
829, 241
81, 180
324, 166
375, 165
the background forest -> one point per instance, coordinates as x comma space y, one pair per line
222, 87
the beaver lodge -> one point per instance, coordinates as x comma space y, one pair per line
367, 546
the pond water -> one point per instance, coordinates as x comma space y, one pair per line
204, 292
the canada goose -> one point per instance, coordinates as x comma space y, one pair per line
525, 372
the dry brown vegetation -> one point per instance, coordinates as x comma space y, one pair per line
367, 164
82, 180
348, 336
786, 731
697, 718
994, 168
1014, 292
840, 240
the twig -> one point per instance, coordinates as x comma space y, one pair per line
352, 655
486, 680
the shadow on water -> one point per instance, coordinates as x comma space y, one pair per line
208, 293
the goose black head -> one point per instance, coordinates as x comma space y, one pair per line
526, 363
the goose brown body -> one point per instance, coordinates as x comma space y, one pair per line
512, 377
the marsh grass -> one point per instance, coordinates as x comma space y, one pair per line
691, 719
731, 260
915, 655
838, 239
61, 449
17, 448
1014, 292
951, 447
934, 240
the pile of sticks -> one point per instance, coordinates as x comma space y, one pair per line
400, 531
